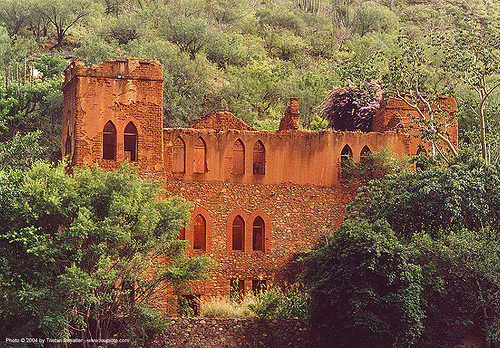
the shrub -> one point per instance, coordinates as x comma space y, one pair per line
220, 307
352, 107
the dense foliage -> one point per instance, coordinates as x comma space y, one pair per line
365, 290
446, 220
83, 256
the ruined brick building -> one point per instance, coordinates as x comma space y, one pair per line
259, 197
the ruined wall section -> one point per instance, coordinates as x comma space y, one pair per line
396, 115
221, 120
124, 91
293, 157
295, 218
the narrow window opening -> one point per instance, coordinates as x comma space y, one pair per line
109, 141
238, 233
182, 234
179, 156
188, 305
259, 158
130, 142
238, 158
200, 152
258, 234
419, 165
128, 288
346, 162
258, 285
365, 154
67, 146
366, 162
237, 290
200, 233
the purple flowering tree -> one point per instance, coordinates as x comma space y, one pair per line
352, 107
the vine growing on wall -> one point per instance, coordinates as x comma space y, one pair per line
352, 107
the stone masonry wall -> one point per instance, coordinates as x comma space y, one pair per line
236, 333
221, 120
295, 219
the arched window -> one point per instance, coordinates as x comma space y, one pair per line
365, 153
200, 159
346, 162
200, 233
238, 157
109, 141
67, 145
238, 233
259, 158
130, 142
178, 156
258, 234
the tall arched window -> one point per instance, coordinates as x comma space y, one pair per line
365, 153
130, 142
238, 157
258, 234
109, 141
238, 233
178, 156
346, 162
259, 158
67, 144
200, 153
200, 233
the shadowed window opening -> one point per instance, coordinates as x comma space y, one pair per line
419, 165
182, 234
238, 157
237, 290
130, 142
188, 305
200, 233
238, 233
108, 141
365, 154
259, 158
258, 234
346, 162
200, 152
179, 156
258, 285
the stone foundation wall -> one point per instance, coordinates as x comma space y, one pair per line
241, 333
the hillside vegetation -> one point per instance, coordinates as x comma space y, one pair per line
247, 57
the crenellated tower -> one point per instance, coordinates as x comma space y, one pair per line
113, 113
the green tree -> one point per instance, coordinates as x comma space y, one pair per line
21, 151
63, 15
436, 200
14, 15
473, 58
462, 285
83, 256
365, 290
411, 79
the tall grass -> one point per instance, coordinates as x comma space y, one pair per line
273, 303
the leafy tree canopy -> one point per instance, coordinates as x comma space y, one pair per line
83, 256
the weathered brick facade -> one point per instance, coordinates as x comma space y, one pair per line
259, 197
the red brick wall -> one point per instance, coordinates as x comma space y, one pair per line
120, 92
295, 157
